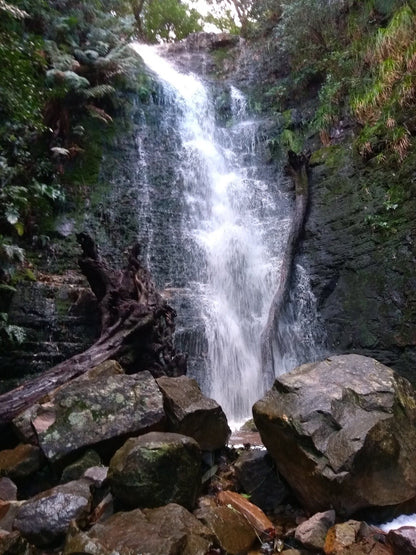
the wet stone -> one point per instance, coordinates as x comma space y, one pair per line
45, 519
8, 490
155, 469
94, 411
20, 462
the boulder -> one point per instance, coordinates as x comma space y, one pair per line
45, 519
257, 475
342, 433
20, 462
75, 470
8, 512
169, 530
88, 412
97, 475
312, 532
262, 525
355, 538
192, 414
234, 533
342, 536
13, 543
8, 490
403, 540
156, 469
103, 510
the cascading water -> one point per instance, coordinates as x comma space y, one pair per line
233, 220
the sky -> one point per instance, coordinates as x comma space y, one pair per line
201, 6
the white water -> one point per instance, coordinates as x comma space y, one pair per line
403, 520
235, 225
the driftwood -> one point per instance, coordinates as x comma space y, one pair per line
298, 167
137, 328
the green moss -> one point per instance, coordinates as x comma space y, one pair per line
290, 140
332, 156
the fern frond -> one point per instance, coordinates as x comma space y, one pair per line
98, 91
99, 113
15, 12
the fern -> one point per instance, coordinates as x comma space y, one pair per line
11, 256
13, 11
99, 91
392, 57
99, 113
10, 334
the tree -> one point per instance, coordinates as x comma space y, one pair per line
165, 20
232, 14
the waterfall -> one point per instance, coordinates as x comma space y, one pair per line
232, 222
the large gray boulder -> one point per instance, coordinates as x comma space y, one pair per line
169, 530
342, 433
156, 469
190, 413
98, 408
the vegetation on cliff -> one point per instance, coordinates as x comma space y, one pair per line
359, 58
64, 65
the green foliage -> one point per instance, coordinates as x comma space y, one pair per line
359, 56
10, 335
168, 20
11, 257
386, 101
233, 16
59, 62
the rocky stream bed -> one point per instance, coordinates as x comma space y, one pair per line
127, 463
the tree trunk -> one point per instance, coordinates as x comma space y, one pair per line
137, 328
298, 167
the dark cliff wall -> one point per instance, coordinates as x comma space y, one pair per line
359, 249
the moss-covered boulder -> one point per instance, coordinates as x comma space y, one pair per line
342, 433
101, 407
156, 469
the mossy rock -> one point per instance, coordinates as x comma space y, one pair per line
156, 469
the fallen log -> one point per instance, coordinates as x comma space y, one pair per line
298, 167
137, 328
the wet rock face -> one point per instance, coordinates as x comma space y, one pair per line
156, 469
60, 318
360, 255
199, 52
192, 414
342, 433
